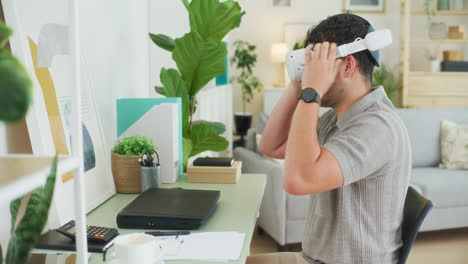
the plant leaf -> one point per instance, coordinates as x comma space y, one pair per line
174, 86
204, 138
29, 229
212, 19
5, 33
15, 87
14, 207
1, 254
218, 126
198, 60
186, 4
160, 90
162, 41
187, 145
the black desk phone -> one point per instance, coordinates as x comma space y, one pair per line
94, 233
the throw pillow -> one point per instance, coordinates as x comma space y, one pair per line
454, 145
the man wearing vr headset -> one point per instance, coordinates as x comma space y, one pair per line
354, 161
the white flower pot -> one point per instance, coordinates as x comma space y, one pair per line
435, 65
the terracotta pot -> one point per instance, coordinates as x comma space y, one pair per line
126, 173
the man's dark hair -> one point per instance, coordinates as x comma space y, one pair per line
342, 29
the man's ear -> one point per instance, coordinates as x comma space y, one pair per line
349, 66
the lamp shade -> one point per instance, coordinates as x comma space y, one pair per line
278, 52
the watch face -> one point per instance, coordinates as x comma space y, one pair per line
309, 95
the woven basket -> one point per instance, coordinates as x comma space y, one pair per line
126, 172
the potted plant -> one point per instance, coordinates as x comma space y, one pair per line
434, 61
199, 55
385, 77
245, 59
125, 165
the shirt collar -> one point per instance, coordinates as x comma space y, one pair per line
371, 98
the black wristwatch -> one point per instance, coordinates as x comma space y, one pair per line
309, 95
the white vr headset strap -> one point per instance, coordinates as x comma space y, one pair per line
351, 48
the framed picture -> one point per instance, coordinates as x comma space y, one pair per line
364, 6
280, 3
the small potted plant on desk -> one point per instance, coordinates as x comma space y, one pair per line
125, 164
244, 59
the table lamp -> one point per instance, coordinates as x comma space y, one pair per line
278, 55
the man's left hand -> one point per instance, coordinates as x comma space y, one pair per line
321, 68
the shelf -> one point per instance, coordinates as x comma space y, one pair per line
24, 173
439, 74
441, 12
439, 41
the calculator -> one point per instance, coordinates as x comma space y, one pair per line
94, 233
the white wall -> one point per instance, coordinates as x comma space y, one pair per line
264, 25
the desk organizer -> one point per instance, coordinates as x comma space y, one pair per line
204, 174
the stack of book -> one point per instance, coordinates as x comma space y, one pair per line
214, 170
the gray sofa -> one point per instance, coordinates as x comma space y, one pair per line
283, 215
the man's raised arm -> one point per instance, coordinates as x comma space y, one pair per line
275, 135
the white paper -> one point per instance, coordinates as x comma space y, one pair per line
208, 246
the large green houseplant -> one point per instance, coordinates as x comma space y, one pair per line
15, 98
199, 56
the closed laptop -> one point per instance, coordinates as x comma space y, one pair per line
175, 209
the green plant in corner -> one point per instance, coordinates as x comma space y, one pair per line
26, 234
245, 59
385, 77
199, 56
133, 146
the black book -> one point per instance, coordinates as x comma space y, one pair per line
53, 240
214, 162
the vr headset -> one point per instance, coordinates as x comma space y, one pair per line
374, 41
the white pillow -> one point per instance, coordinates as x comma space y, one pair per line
454, 145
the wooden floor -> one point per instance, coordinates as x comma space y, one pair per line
446, 247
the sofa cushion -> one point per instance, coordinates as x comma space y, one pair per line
424, 131
297, 206
446, 188
261, 122
454, 145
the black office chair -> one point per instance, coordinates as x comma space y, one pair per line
416, 209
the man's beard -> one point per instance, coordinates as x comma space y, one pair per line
333, 96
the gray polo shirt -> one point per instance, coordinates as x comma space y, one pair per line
360, 222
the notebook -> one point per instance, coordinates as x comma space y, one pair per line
53, 240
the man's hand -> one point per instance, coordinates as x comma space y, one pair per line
320, 69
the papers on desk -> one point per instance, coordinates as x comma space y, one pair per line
207, 246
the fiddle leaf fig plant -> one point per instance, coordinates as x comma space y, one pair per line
15, 84
199, 56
